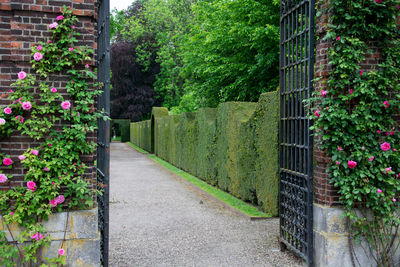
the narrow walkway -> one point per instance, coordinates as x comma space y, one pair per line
156, 220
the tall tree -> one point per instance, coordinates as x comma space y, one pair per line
232, 52
132, 94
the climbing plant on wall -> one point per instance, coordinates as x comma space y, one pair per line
357, 123
58, 120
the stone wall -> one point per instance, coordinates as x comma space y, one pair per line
75, 231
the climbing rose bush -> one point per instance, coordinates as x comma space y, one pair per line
354, 120
60, 120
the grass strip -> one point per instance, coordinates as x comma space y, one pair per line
138, 148
221, 195
117, 138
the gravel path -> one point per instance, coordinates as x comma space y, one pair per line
157, 220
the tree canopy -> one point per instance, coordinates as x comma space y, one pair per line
208, 51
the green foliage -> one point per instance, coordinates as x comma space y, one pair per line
121, 128
234, 147
54, 170
232, 51
117, 20
356, 116
209, 51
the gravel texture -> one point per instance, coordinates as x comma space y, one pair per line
157, 220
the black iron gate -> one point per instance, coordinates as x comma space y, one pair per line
296, 142
103, 134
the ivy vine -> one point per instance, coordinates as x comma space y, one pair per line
60, 121
357, 120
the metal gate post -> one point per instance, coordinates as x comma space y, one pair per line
295, 137
103, 133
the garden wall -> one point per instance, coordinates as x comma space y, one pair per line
22, 25
234, 146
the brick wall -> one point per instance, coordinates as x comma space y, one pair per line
324, 192
23, 23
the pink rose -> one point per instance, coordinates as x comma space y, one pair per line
338, 38
21, 75
70, 49
379, 1
337, 163
316, 113
351, 91
378, 131
73, 27
60, 17
31, 185
21, 157
61, 252
54, 25
361, 72
379, 191
39, 48
38, 236
387, 170
7, 110
385, 146
49, 41
3, 178
26, 105
7, 161
371, 158
35, 152
60, 199
351, 164
362, 148
38, 56
53, 203
46, 169
53, 90
386, 104
2, 121
340, 148
87, 65
20, 119
394, 200
65, 105
323, 92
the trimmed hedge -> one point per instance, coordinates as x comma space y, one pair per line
234, 146
205, 147
122, 128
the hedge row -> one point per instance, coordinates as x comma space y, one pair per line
234, 147
141, 134
120, 127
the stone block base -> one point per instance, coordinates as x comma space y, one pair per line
331, 240
82, 237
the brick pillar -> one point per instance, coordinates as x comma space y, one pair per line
331, 246
23, 23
